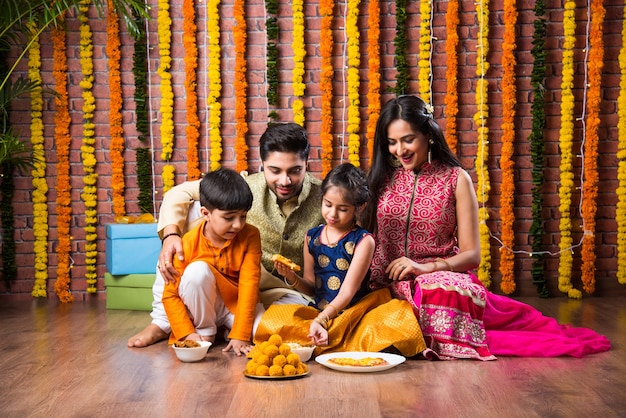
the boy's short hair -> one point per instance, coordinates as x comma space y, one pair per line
284, 137
225, 189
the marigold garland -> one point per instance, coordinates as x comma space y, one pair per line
241, 86
507, 191
480, 118
40, 185
590, 185
114, 57
620, 211
326, 84
298, 57
354, 82
62, 139
192, 129
425, 50
215, 83
566, 142
451, 99
164, 22
373, 86
89, 193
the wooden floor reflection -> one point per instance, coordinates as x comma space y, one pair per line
72, 361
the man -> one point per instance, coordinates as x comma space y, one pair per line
287, 202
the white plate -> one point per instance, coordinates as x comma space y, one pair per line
392, 361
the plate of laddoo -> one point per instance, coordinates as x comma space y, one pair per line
273, 359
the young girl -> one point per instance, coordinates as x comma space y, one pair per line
337, 257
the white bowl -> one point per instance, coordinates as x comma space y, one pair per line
304, 352
191, 354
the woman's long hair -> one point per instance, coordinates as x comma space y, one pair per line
420, 118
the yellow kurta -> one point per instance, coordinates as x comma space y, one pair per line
374, 323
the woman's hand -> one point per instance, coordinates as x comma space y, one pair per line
318, 334
404, 268
241, 348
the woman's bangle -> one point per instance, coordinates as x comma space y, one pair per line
291, 285
171, 234
448, 266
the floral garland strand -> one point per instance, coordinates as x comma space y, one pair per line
192, 129
272, 31
89, 193
400, 44
143, 154
326, 84
115, 112
241, 86
40, 185
164, 22
215, 83
298, 57
424, 63
480, 118
590, 185
566, 143
537, 147
620, 211
354, 82
451, 99
373, 87
62, 140
507, 191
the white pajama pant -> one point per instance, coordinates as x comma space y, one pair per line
200, 294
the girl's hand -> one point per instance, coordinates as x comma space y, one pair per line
286, 272
318, 334
404, 268
241, 348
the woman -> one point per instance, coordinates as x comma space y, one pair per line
427, 242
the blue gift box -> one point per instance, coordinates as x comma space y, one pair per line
132, 248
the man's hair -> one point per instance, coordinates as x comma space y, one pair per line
225, 189
284, 137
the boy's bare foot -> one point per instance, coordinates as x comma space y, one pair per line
150, 335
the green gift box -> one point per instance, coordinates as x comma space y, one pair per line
129, 291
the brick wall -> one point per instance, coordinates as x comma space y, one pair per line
258, 109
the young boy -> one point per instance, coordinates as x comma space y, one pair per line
219, 281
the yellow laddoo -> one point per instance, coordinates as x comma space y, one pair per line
271, 351
279, 360
284, 349
275, 339
293, 359
289, 370
301, 368
263, 359
251, 367
262, 370
276, 370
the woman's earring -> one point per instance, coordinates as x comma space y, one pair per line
395, 162
430, 143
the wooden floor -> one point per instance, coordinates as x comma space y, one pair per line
72, 361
